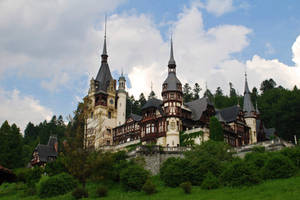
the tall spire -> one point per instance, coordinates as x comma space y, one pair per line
172, 61
104, 53
248, 107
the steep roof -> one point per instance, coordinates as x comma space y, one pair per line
135, 117
228, 114
248, 106
45, 151
172, 81
104, 76
153, 103
198, 107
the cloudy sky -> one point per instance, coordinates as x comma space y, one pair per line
50, 49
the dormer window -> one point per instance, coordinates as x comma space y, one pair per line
172, 95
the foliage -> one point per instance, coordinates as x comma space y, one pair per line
239, 173
175, 171
79, 193
11, 143
293, 154
133, 177
33, 175
188, 139
149, 187
102, 191
186, 187
259, 149
215, 130
55, 167
210, 182
57, 185
257, 160
278, 166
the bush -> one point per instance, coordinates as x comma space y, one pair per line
210, 182
259, 149
55, 167
102, 191
30, 190
57, 185
257, 160
278, 166
79, 193
133, 177
28, 175
149, 187
187, 187
175, 171
293, 154
239, 173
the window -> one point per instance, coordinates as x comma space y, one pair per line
92, 114
109, 114
172, 95
109, 131
108, 142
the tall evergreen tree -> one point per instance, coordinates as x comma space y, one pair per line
196, 91
142, 100
187, 93
152, 95
215, 130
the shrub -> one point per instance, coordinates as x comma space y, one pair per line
175, 171
239, 173
293, 154
55, 167
278, 166
149, 187
210, 182
102, 191
133, 177
57, 185
30, 190
259, 149
257, 160
187, 187
79, 193
22, 173
33, 175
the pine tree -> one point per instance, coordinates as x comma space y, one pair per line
196, 91
215, 130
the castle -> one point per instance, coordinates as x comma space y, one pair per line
162, 121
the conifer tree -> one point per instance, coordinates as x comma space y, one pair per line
215, 130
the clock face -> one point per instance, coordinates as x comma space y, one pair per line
111, 101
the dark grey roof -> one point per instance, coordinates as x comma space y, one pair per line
153, 103
103, 77
228, 114
135, 117
248, 106
45, 151
172, 81
172, 60
198, 107
52, 140
270, 132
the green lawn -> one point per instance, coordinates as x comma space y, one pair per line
270, 190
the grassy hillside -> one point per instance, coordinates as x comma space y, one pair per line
269, 190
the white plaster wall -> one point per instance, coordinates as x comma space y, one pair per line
121, 109
251, 122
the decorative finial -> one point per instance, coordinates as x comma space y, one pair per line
151, 86
172, 60
104, 45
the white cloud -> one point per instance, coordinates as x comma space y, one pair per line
219, 7
48, 39
21, 109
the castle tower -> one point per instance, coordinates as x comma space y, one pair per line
172, 102
102, 105
249, 113
121, 104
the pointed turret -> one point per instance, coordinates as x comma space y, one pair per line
248, 106
104, 76
172, 62
172, 83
